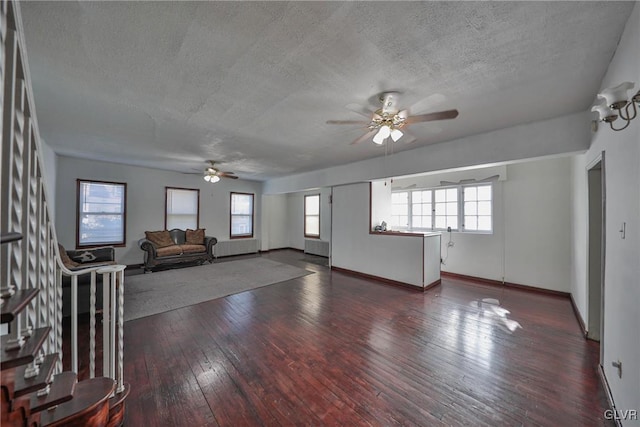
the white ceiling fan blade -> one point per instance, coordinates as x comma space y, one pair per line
428, 103
347, 122
360, 109
439, 115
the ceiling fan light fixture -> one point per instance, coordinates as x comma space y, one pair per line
211, 177
379, 139
396, 134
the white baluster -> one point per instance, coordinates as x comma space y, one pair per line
110, 275
92, 337
120, 388
74, 323
106, 316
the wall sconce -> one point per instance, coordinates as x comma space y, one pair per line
614, 103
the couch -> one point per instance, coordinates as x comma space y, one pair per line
170, 247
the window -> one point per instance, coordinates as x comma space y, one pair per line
181, 208
312, 216
241, 215
422, 209
446, 208
477, 207
400, 209
101, 218
463, 208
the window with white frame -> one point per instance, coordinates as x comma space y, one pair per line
101, 216
400, 209
241, 216
312, 215
477, 207
422, 209
463, 208
181, 210
445, 208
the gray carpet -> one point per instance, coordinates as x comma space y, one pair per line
154, 293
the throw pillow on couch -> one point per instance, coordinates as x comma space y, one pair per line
194, 237
161, 239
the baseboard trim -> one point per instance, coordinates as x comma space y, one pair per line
583, 328
383, 279
432, 285
281, 249
492, 282
607, 392
132, 266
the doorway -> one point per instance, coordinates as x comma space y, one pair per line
596, 253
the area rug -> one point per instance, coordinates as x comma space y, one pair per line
154, 293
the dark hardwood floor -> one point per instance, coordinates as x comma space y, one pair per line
334, 349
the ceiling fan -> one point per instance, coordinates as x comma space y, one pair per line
211, 174
387, 121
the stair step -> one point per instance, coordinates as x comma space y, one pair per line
9, 237
62, 390
25, 386
89, 406
16, 303
26, 354
15, 385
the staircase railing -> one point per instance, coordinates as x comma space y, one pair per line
34, 261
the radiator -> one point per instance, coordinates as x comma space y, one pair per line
236, 247
316, 247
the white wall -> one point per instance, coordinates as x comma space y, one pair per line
380, 203
397, 258
566, 134
275, 230
145, 200
621, 337
531, 239
579, 226
537, 224
50, 170
295, 216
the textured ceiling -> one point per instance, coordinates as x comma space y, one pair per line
251, 84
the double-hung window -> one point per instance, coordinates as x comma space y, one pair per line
101, 215
460, 207
445, 208
312, 215
241, 216
400, 210
477, 210
181, 208
422, 209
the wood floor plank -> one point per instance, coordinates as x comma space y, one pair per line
335, 349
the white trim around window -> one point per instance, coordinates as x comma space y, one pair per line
463, 208
101, 214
